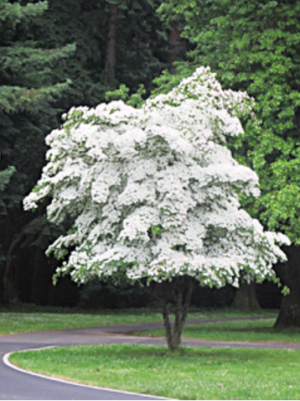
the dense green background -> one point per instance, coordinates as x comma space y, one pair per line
57, 55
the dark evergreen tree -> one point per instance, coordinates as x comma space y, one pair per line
27, 93
117, 41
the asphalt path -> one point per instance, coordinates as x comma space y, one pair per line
15, 384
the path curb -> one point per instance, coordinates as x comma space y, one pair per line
29, 372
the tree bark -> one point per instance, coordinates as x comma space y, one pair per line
110, 59
177, 293
289, 314
8, 292
41, 278
245, 297
177, 48
167, 324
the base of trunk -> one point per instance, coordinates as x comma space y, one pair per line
175, 297
245, 297
289, 315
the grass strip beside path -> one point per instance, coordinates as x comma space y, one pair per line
21, 320
206, 373
248, 330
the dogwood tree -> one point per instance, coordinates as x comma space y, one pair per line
153, 194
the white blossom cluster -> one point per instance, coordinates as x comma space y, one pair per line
154, 190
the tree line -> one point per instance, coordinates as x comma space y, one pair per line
62, 54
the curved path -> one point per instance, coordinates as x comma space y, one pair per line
15, 384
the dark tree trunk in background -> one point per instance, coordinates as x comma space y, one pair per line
177, 45
110, 59
175, 298
245, 297
9, 292
289, 314
5, 240
42, 278
1, 283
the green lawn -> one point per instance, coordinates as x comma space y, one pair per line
206, 373
19, 320
258, 330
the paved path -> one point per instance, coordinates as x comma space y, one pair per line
17, 385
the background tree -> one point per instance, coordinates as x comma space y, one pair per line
4, 180
254, 46
139, 46
30, 75
152, 193
27, 90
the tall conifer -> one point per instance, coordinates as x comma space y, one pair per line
27, 91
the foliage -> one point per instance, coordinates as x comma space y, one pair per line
122, 93
4, 180
48, 62
28, 92
254, 46
168, 80
153, 191
141, 46
24, 84
27, 88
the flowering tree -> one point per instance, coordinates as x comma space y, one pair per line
153, 194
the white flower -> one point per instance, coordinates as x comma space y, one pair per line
155, 189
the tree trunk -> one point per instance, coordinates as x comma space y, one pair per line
2, 267
177, 45
110, 59
245, 297
178, 293
42, 274
289, 314
8, 288
5, 241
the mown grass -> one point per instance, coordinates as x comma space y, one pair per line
249, 330
206, 373
27, 319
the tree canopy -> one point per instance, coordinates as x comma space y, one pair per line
254, 46
153, 192
49, 62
